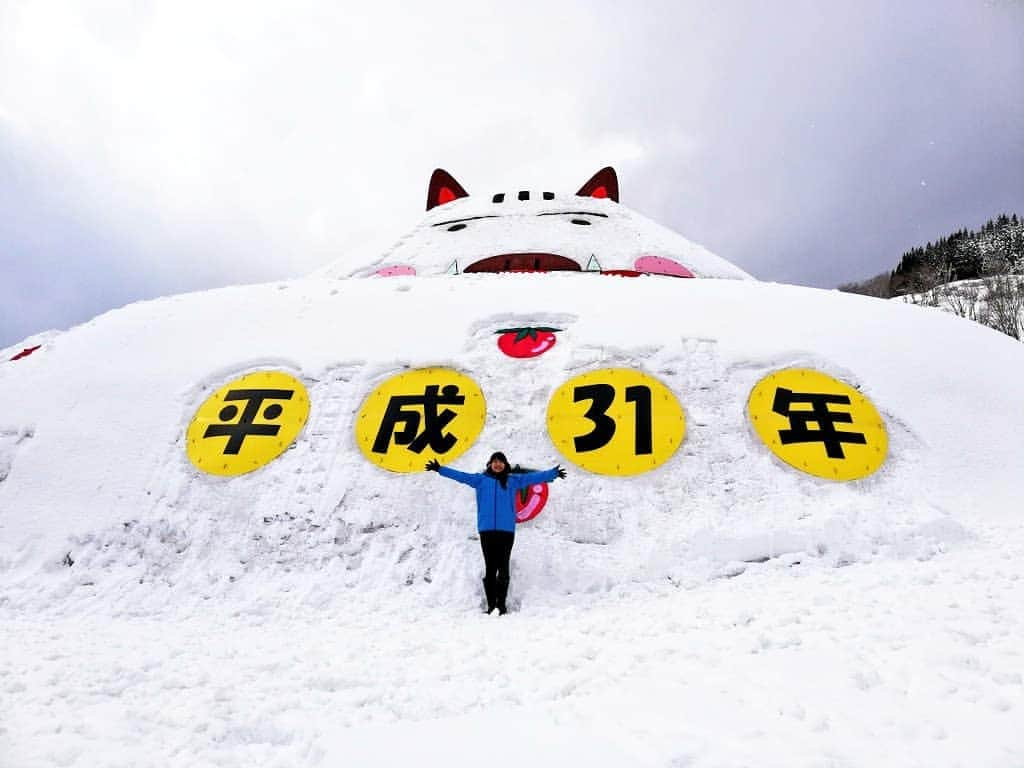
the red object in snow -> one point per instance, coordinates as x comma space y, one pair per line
526, 342
26, 352
621, 272
443, 188
604, 184
530, 501
524, 262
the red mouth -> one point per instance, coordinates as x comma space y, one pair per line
524, 262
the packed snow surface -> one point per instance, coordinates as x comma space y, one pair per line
721, 610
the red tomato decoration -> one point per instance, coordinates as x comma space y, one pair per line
530, 501
526, 342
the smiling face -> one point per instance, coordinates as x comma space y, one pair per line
520, 231
530, 261
541, 231
497, 466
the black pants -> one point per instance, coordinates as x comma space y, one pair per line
497, 547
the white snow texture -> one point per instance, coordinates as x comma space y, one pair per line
723, 609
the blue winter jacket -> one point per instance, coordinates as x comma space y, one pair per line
496, 506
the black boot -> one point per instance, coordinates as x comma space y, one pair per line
490, 589
501, 592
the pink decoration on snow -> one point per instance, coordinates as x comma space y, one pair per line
659, 265
396, 270
536, 499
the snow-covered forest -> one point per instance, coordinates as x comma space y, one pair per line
978, 275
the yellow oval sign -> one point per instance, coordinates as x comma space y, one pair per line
247, 423
429, 413
616, 421
818, 424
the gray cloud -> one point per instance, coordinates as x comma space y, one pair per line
145, 152
823, 141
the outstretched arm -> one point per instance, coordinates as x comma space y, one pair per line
541, 476
467, 478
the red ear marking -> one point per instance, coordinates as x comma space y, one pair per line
603, 184
443, 189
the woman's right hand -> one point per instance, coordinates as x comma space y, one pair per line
433, 465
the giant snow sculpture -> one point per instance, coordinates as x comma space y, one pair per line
285, 425
541, 231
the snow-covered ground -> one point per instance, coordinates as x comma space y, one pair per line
723, 609
995, 301
895, 662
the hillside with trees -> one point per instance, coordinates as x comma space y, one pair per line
975, 274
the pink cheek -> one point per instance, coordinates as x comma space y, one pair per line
659, 265
395, 271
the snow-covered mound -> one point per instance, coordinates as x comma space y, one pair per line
218, 545
96, 474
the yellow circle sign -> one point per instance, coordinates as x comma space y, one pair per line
818, 424
247, 423
429, 413
616, 421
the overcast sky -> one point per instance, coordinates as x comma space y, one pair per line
149, 148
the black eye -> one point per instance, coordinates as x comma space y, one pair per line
456, 227
581, 221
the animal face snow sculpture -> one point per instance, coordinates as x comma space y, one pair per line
531, 231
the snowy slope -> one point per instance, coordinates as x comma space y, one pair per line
723, 609
973, 299
108, 404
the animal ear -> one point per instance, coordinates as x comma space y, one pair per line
443, 189
604, 183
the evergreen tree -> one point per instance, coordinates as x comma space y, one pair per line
996, 248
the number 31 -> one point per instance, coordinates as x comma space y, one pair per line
601, 397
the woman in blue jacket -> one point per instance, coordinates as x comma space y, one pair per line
496, 490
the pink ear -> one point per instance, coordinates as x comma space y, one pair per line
443, 189
604, 184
